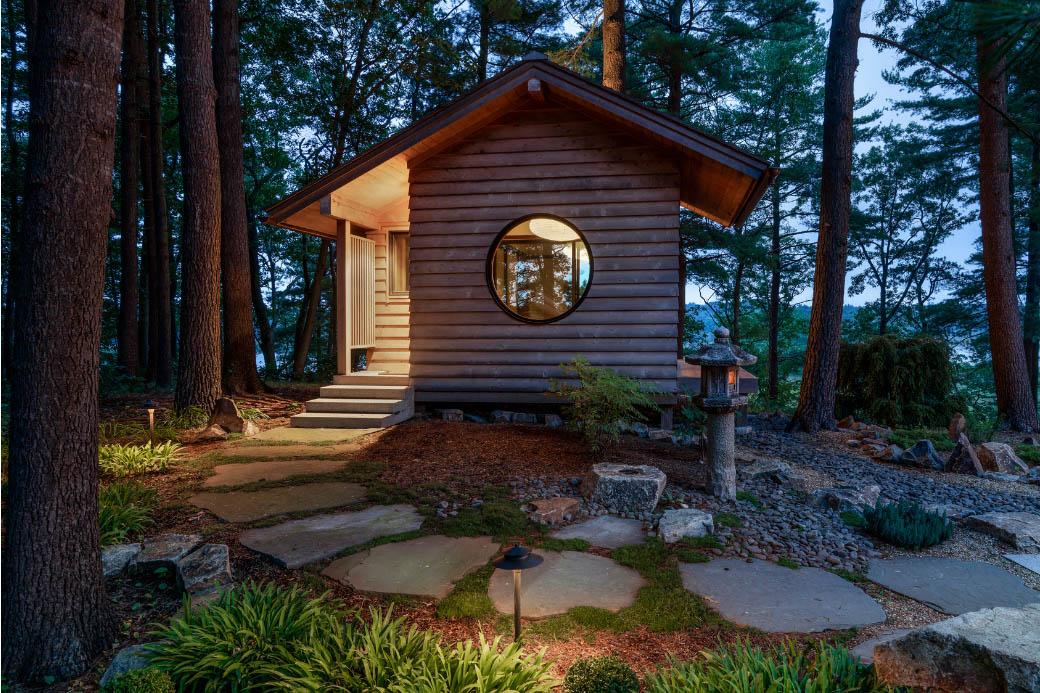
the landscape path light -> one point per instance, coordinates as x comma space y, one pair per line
517, 559
150, 406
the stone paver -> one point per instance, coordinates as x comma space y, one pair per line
677, 523
1029, 561
289, 451
865, 650
605, 531
163, 551
299, 542
312, 435
780, 600
274, 470
1021, 530
427, 566
247, 506
565, 580
950, 585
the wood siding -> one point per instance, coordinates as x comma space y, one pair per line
391, 350
621, 194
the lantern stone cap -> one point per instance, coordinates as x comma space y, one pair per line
721, 353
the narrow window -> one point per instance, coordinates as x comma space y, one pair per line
398, 263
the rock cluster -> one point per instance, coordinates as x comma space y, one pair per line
200, 568
625, 489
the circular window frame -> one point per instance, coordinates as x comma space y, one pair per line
489, 277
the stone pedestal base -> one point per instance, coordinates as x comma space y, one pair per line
719, 451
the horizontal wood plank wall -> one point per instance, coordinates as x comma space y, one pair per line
621, 194
391, 351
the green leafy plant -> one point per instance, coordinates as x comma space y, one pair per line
252, 414
751, 498
147, 680
498, 518
907, 524
786, 562
788, 668
469, 597
601, 675
907, 437
124, 509
1030, 454
852, 518
129, 460
603, 400
114, 431
725, 519
189, 417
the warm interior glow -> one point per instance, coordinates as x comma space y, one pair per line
552, 230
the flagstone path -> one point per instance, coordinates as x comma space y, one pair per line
605, 531
284, 452
951, 585
312, 435
565, 580
772, 598
247, 506
1029, 561
272, 470
298, 542
427, 566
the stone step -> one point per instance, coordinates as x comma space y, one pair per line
356, 405
371, 378
365, 391
336, 420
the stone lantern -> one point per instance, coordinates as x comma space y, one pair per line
720, 397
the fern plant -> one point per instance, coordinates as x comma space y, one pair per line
129, 460
907, 524
124, 509
602, 401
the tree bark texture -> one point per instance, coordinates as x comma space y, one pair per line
1016, 407
819, 377
198, 366
614, 44
240, 375
160, 321
12, 191
56, 616
308, 314
773, 349
1031, 326
259, 307
484, 39
129, 180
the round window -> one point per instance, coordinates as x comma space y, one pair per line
539, 268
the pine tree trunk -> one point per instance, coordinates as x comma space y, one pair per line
1031, 325
773, 350
198, 368
160, 361
56, 616
12, 187
483, 47
1016, 406
240, 376
614, 44
819, 376
129, 169
259, 307
309, 313
675, 60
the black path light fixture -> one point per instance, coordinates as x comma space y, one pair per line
517, 559
150, 406
720, 397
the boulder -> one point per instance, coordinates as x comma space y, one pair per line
1000, 457
115, 559
1033, 477
686, 440
640, 429
766, 468
249, 429
227, 416
626, 488
126, 660
685, 522
209, 434
451, 414
500, 416
525, 418
843, 498
957, 427
980, 651
1021, 529
963, 459
848, 423
163, 551
891, 453
204, 569
1031, 440
553, 511
553, 420
1001, 476
924, 455
659, 434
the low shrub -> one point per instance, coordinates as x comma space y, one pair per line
1030, 454
603, 400
124, 509
821, 668
147, 680
601, 675
189, 417
851, 518
907, 524
252, 414
906, 438
129, 460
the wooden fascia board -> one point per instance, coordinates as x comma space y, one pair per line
754, 194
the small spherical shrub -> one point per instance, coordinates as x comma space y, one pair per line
601, 675
907, 524
147, 680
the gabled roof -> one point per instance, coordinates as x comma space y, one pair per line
717, 180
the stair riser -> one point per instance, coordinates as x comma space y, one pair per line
349, 406
332, 420
363, 392
381, 379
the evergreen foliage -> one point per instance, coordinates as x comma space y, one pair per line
907, 524
600, 675
897, 381
147, 680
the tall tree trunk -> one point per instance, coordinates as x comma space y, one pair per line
240, 376
259, 307
308, 314
160, 361
129, 168
12, 187
483, 48
738, 285
675, 58
1032, 311
819, 377
57, 617
198, 368
614, 44
1016, 406
773, 350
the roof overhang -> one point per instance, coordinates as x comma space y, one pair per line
717, 180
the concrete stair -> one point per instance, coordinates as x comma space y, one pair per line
360, 400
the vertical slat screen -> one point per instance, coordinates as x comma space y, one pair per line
362, 292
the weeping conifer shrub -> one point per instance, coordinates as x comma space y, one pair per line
897, 381
907, 524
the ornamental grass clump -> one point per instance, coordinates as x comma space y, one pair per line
129, 460
907, 524
788, 668
124, 509
601, 675
602, 401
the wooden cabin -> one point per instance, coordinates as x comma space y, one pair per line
529, 222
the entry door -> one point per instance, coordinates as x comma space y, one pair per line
362, 293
